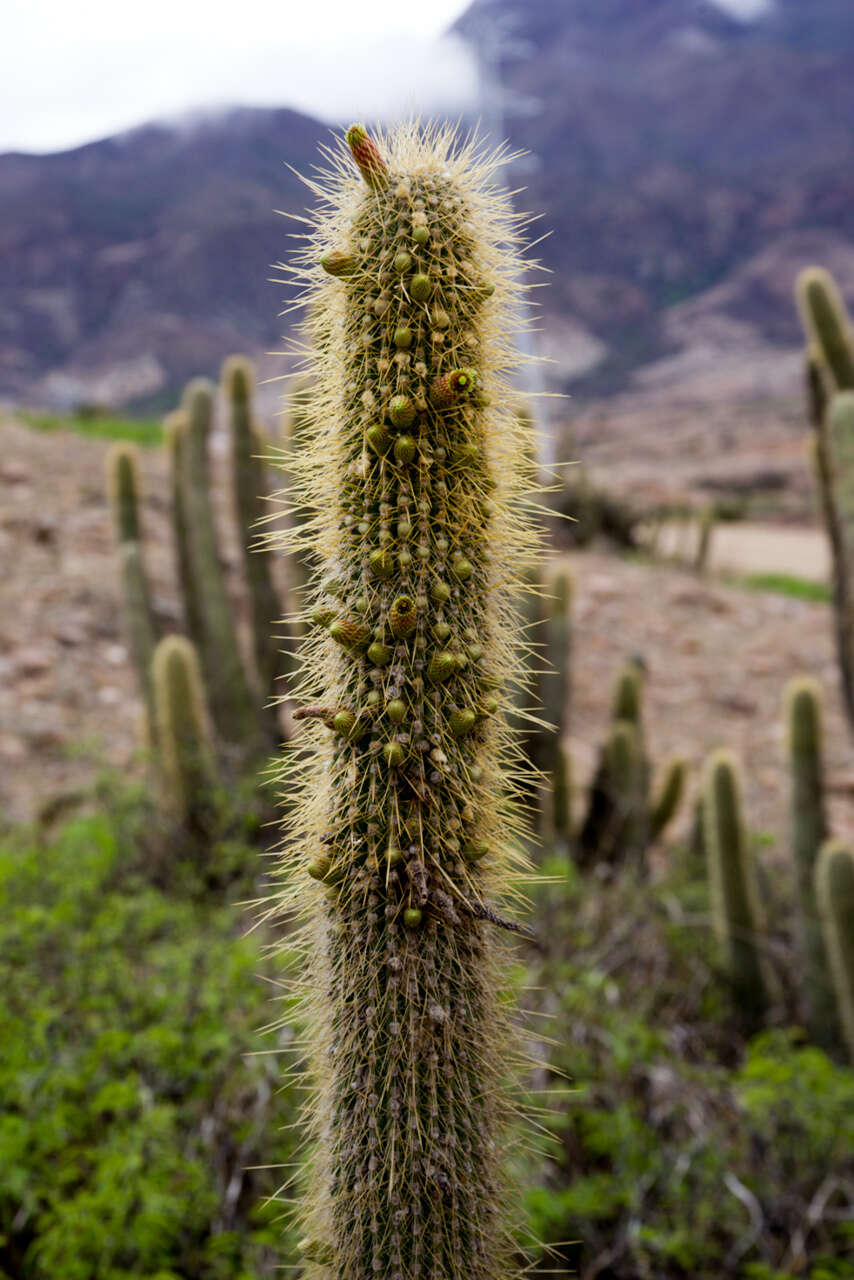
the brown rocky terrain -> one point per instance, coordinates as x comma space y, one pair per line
718, 655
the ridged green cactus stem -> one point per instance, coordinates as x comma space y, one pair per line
234, 706
403, 834
668, 797
250, 485
835, 465
557, 643
736, 910
184, 752
628, 694
815, 386
174, 434
803, 716
827, 323
835, 895
562, 796
123, 485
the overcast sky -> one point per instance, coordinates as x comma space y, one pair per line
78, 71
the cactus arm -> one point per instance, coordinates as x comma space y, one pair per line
667, 797
827, 323
736, 912
835, 895
185, 754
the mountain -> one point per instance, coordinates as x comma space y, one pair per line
671, 146
131, 263
686, 164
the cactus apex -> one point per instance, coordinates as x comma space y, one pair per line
804, 704
238, 378
365, 152
451, 388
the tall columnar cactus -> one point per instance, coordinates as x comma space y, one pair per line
736, 910
123, 485
175, 434
249, 485
827, 323
803, 708
402, 838
185, 754
234, 706
835, 894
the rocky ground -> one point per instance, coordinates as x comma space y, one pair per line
718, 655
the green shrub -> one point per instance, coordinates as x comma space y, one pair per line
130, 1115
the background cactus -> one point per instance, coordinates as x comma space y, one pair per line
625, 814
736, 911
835, 894
123, 487
803, 709
402, 838
184, 751
252, 508
828, 325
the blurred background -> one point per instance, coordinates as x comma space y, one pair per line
686, 160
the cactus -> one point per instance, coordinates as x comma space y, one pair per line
175, 431
234, 706
402, 837
625, 813
827, 324
185, 756
736, 912
123, 486
834, 884
248, 481
803, 715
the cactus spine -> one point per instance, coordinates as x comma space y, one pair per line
835, 894
736, 912
803, 705
185, 754
402, 834
123, 486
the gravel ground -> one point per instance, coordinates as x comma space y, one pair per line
718, 656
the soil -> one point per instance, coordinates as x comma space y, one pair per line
718, 656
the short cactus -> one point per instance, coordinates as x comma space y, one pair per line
402, 837
835, 895
123, 487
827, 324
626, 814
185, 755
803, 712
736, 911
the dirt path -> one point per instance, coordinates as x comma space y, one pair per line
745, 548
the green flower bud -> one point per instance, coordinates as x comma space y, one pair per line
394, 754
462, 722
404, 449
421, 235
318, 869
461, 569
380, 654
402, 411
403, 617
474, 850
344, 722
442, 666
402, 262
420, 288
381, 564
396, 710
338, 263
412, 917
350, 633
378, 438
440, 592
403, 338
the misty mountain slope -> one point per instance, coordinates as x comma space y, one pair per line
131, 263
672, 149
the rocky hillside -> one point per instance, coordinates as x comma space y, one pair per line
686, 163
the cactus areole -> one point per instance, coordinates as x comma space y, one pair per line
413, 473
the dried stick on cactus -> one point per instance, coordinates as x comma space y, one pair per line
123, 486
835, 894
250, 488
403, 839
736, 911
